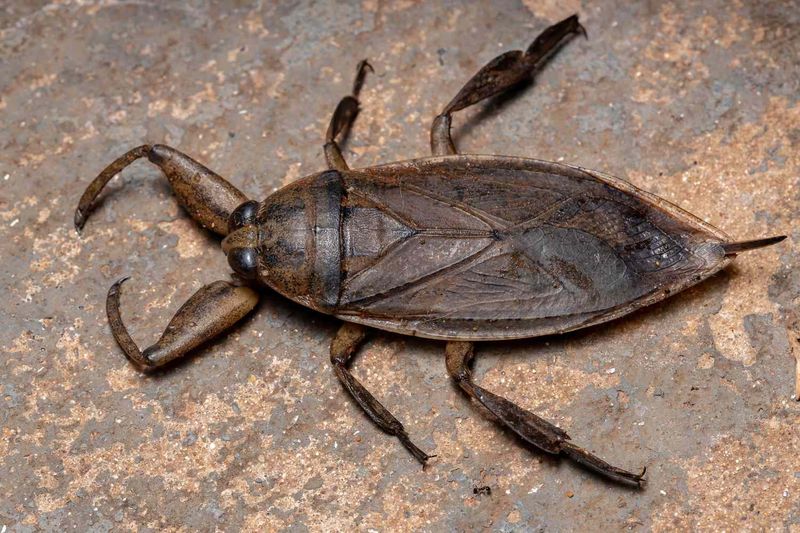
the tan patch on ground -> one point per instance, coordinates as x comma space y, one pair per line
706, 361
728, 488
550, 387
190, 243
679, 50
553, 10
732, 201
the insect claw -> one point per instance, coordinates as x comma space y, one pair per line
80, 220
361, 73
580, 29
118, 328
594, 463
418, 454
425, 461
366, 65
96, 186
117, 284
640, 480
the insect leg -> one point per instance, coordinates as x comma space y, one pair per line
343, 118
344, 345
207, 197
498, 75
531, 428
213, 309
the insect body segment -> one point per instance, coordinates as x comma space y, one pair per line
461, 248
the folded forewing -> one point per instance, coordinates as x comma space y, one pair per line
502, 240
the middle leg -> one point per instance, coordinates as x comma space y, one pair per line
343, 118
347, 340
531, 428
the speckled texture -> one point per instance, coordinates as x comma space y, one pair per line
697, 102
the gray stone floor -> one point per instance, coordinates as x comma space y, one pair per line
697, 102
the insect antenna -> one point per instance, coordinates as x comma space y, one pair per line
732, 248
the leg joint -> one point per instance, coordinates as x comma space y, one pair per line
151, 357
339, 359
457, 358
441, 142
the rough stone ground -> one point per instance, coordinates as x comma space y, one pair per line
697, 102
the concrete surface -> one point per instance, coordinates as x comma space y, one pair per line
697, 102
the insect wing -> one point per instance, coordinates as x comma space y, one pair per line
483, 248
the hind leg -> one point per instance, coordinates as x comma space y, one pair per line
528, 426
500, 74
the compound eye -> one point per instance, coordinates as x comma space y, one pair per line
244, 261
243, 215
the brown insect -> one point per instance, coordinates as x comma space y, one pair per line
460, 248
